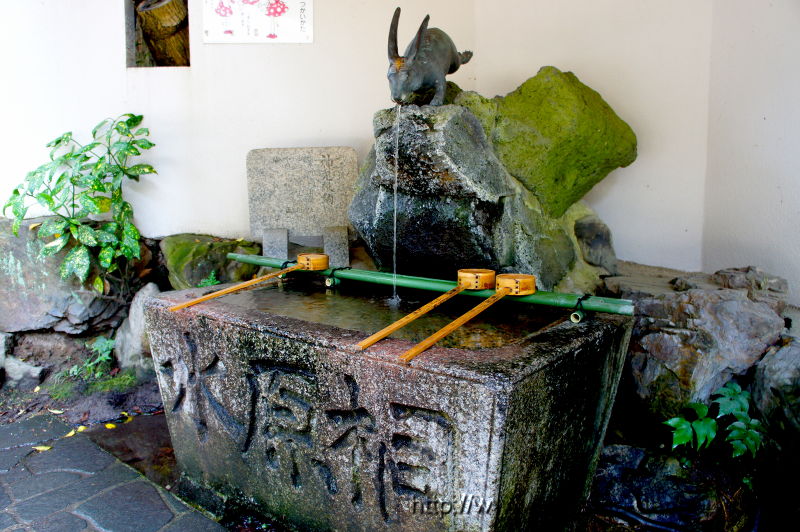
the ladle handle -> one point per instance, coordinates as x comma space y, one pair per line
402, 322
235, 288
455, 324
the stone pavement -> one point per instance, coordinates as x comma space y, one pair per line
76, 486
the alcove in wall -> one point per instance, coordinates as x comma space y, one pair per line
156, 33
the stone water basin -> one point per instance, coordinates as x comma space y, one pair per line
270, 406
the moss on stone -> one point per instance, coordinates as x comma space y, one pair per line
190, 258
556, 135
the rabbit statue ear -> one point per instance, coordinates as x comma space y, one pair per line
415, 46
393, 54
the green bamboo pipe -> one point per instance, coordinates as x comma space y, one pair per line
541, 297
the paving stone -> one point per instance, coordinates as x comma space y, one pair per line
17, 473
133, 507
6, 521
41, 483
61, 522
76, 453
193, 522
11, 457
4, 499
31, 431
47, 503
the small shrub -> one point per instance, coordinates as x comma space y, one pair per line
121, 382
732, 405
211, 280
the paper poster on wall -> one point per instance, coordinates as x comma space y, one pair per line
258, 21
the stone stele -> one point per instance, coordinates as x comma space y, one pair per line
303, 190
284, 415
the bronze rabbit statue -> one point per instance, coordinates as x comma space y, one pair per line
427, 60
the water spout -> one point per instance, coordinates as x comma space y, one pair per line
395, 300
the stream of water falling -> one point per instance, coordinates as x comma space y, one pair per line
395, 301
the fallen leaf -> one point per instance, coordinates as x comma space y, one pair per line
54, 411
42, 448
81, 428
36, 390
110, 426
21, 412
69, 434
34, 226
123, 413
84, 417
146, 271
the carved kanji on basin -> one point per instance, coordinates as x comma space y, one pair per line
285, 416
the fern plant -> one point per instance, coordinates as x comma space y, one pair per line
732, 407
82, 180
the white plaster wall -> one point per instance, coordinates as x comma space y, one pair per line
753, 185
649, 61
66, 61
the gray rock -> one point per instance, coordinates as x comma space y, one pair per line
688, 344
302, 190
34, 297
594, 238
132, 347
635, 489
20, 374
50, 352
283, 412
457, 206
776, 390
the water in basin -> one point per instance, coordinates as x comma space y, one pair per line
369, 308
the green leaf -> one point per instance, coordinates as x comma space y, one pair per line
699, 408
731, 405
86, 235
78, 262
103, 203
682, 432
55, 246
98, 285
141, 169
52, 226
142, 131
730, 388
706, 429
97, 129
89, 147
739, 448
13, 200
15, 226
104, 237
106, 257
130, 241
60, 140
89, 203
134, 121
122, 128
45, 200
144, 144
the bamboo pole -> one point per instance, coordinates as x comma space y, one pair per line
541, 297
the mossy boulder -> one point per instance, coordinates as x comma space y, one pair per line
554, 134
190, 258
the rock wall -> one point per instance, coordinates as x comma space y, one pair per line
490, 183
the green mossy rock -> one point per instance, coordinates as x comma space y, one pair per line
191, 258
555, 135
